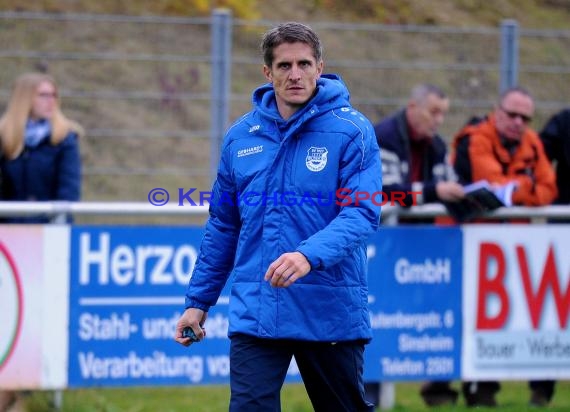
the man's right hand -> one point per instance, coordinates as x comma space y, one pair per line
449, 191
191, 318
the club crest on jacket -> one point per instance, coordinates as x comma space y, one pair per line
316, 158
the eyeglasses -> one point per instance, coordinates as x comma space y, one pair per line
513, 115
44, 95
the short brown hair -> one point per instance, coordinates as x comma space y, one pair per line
291, 32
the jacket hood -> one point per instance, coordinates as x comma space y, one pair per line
330, 93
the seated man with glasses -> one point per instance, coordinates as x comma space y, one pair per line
502, 149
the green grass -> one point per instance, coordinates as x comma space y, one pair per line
512, 398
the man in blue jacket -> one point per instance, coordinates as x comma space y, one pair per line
294, 248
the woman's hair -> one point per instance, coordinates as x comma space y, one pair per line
14, 119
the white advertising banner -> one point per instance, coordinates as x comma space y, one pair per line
34, 301
516, 302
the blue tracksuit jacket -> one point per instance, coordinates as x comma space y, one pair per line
275, 193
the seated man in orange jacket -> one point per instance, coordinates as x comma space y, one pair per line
503, 149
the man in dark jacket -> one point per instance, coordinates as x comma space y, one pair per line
555, 137
414, 163
414, 156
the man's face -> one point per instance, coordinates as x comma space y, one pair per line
44, 102
427, 116
513, 115
294, 75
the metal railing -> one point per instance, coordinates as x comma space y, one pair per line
390, 214
57, 211
538, 214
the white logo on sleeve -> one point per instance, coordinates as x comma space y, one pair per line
316, 158
250, 150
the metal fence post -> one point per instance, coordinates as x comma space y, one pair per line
387, 395
58, 399
221, 52
509, 54
387, 390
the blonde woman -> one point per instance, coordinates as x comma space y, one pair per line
39, 152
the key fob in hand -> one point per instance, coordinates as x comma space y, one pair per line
189, 333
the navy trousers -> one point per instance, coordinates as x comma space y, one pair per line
331, 372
